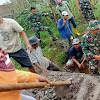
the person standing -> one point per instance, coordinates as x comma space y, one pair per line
34, 21
91, 46
11, 43
85, 7
65, 29
64, 6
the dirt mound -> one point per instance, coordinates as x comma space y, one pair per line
84, 87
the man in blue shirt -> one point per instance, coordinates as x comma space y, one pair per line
76, 54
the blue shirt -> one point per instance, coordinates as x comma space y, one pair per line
74, 52
65, 30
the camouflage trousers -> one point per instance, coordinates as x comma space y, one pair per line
93, 66
87, 11
42, 28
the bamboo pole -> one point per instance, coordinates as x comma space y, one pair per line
20, 86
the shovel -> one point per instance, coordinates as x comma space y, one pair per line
20, 86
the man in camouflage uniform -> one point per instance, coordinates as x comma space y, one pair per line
85, 7
91, 46
34, 21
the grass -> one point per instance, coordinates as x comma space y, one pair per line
54, 53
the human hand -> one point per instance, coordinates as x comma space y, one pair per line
2, 52
29, 48
79, 65
79, 8
44, 70
82, 64
64, 22
97, 57
42, 79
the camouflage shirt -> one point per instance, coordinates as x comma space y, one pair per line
91, 45
82, 1
35, 20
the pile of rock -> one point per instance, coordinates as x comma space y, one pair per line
84, 87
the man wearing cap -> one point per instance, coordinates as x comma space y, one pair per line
64, 28
76, 54
34, 21
64, 6
11, 43
38, 59
91, 46
85, 7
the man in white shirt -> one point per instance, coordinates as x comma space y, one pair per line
11, 43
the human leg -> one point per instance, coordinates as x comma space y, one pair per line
72, 20
83, 7
90, 11
22, 58
70, 63
44, 28
37, 34
93, 66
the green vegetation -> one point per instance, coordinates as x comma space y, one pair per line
54, 53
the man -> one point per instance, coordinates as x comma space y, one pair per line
65, 29
8, 76
10, 42
85, 7
91, 46
34, 21
38, 59
77, 57
64, 6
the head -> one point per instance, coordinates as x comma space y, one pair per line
94, 27
34, 42
58, 2
76, 42
65, 15
33, 10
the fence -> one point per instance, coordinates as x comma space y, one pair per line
74, 10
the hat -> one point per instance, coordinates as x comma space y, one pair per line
57, 1
93, 25
32, 8
33, 40
64, 13
76, 41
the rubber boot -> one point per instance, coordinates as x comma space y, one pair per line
76, 31
72, 37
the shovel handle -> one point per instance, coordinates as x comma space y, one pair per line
20, 86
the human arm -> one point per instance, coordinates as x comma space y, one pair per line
92, 3
46, 14
27, 21
60, 26
78, 5
73, 58
25, 38
40, 67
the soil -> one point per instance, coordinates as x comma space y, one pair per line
84, 87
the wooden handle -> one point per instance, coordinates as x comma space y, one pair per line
20, 86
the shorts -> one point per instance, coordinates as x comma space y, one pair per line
71, 62
22, 58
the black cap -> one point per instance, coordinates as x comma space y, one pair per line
32, 8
